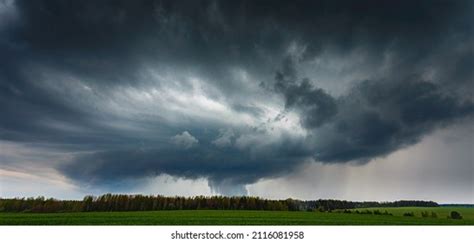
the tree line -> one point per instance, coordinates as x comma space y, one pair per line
120, 202
331, 204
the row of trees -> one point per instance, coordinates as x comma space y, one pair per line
402, 203
118, 202
331, 204
40, 205
110, 202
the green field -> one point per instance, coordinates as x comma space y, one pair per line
442, 212
228, 217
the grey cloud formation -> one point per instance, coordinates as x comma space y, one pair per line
315, 104
375, 118
232, 166
244, 87
184, 140
225, 138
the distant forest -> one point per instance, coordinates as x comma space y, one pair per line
117, 202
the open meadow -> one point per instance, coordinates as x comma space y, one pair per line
241, 217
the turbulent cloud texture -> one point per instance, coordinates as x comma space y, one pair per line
231, 91
374, 118
184, 140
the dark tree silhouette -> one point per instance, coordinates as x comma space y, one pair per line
118, 202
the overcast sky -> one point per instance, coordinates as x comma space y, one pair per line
356, 100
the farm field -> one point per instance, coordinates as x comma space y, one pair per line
442, 212
239, 217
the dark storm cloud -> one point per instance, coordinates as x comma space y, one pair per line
379, 117
375, 118
316, 106
230, 165
420, 54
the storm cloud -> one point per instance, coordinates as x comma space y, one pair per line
231, 91
374, 118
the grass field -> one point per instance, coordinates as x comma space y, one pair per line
442, 212
228, 217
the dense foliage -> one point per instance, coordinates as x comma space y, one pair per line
330, 204
117, 202
455, 215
